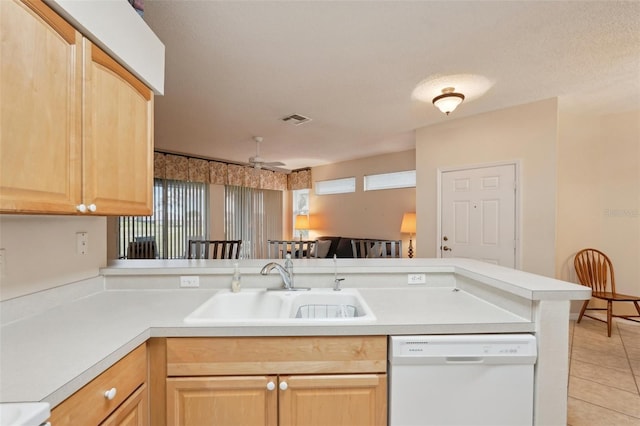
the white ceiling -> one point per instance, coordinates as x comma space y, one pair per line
235, 68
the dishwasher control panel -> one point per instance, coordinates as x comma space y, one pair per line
476, 347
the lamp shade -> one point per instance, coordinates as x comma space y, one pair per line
408, 223
302, 222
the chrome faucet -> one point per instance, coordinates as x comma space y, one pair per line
285, 272
286, 278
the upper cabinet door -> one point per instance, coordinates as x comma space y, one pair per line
118, 137
40, 128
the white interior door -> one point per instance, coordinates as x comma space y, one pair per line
478, 214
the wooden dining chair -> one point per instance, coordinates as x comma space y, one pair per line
595, 270
142, 250
214, 249
298, 249
376, 248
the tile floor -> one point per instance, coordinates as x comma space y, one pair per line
604, 374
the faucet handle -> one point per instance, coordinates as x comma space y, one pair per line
337, 284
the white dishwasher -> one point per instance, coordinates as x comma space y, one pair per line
470, 380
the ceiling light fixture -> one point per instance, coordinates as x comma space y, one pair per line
448, 101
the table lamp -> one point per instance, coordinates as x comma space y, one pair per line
302, 223
408, 226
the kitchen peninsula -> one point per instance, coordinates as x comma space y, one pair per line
54, 343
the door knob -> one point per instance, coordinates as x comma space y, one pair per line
445, 248
271, 386
283, 386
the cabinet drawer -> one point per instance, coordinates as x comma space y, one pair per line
276, 355
132, 412
89, 406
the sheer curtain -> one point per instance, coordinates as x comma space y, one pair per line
253, 216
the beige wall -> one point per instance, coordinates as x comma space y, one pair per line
41, 253
371, 214
599, 193
525, 133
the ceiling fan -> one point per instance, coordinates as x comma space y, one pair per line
259, 162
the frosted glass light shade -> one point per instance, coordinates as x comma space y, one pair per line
447, 102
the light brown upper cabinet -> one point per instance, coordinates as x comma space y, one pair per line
76, 128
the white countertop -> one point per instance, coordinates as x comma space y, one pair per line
50, 355
523, 284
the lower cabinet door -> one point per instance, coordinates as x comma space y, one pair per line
133, 411
336, 400
233, 400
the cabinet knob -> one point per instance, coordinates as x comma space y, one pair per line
83, 208
110, 394
271, 386
283, 386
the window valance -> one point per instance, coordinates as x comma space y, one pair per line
300, 179
184, 168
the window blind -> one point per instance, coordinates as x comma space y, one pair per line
180, 213
253, 216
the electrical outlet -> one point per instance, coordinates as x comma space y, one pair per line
82, 242
190, 281
417, 279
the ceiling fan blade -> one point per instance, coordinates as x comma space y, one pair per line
259, 162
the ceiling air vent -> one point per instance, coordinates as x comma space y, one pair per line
296, 119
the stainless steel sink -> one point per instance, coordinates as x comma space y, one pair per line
258, 306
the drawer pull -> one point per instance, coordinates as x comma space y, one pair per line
92, 207
110, 394
271, 386
283, 386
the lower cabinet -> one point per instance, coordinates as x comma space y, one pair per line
341, 399
118, 396
133, 412
222, 401
277, 381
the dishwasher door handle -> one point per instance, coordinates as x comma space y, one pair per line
464, 360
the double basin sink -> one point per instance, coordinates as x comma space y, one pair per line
261, 306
